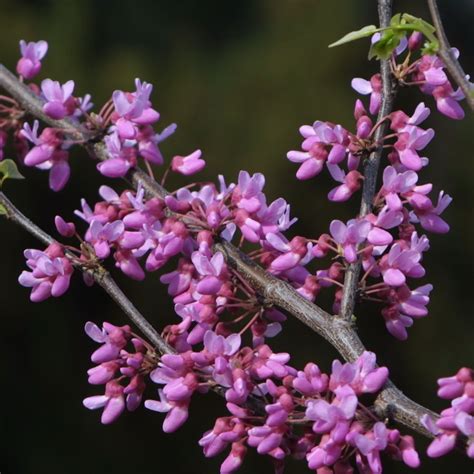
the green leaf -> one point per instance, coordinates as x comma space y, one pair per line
385, 46
368, 30
9, 170
396, 20
3, 211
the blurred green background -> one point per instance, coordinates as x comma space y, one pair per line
239, 78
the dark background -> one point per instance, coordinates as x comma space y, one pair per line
239, 78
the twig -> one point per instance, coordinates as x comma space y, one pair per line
371, 168
452, 64
101, 277
391, 403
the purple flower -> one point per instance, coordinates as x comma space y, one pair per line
122, 157
235, 459
58, 97
363, 376
333, 416
248, 194
310, 381
221, 346
50, 273
293, 252
447, 101
133, 110
430, 71
370, 444
44, 145
266, 439
351, 183
412, 139
113, 402
188, 165
102, 236
402, 262
394, 184
350, 236
372, 87
32, 53
323, 142
458, 419
405, 306
113, 340
210, 268
177, 412
66, 229
427, 214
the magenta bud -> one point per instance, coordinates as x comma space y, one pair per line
66, 229
415, 41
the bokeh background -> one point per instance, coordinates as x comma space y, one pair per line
239, 78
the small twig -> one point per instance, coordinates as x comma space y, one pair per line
100, 274
452, 64
371, 168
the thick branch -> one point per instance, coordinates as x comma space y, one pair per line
452, 64
371, 167
391, 403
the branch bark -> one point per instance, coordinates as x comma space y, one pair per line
391, 403
452, 64
371, 167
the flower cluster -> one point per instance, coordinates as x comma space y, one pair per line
457, 420
121, 372
427, 72
50, 273
126, 120
29, 65
385, 240
131, 134
268, 400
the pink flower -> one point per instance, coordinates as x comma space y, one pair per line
247, 195
113, 340
29, 65
113, 402
210, 269
427, 214
372, 87
122, 157
447, 101
50, 275
66, 229
293, 252
349, 236
188, 165
59, 98
133, 110
394, 184
102, 236
177, 412
402, 262
351, 183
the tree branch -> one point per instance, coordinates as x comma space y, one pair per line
452, 64
391, 403
371, 167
